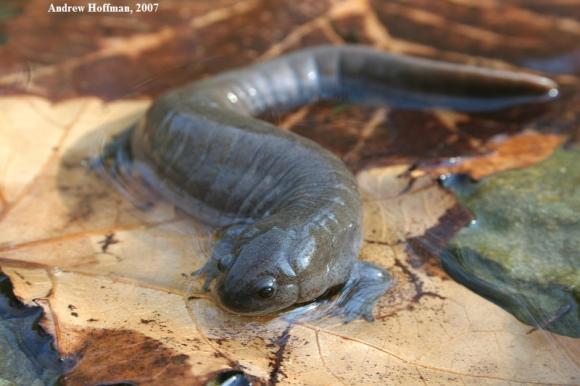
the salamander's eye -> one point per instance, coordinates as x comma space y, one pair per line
266, 287
266, 292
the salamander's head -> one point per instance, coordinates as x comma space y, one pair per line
258, 277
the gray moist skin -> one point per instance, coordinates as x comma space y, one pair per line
290, 211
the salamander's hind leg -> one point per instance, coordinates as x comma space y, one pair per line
115, 163
363, 289
115, 157
222, 255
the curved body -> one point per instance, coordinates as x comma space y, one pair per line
291, 209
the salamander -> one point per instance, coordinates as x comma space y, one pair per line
290, 211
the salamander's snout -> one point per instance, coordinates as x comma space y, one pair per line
262, 295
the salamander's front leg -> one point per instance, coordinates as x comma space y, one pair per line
367, 283
209, 272
222, 255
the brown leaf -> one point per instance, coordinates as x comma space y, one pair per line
504, 153
132, 308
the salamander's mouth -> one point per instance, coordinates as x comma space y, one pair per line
310, 310
234, 301
263, 313
250, 313
238, 303
238, 307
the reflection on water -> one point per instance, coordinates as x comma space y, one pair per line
230, 378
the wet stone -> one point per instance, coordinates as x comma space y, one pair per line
522, 251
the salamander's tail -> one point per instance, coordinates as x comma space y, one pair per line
365, 75
411, 82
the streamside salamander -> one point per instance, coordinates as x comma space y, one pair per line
290, 210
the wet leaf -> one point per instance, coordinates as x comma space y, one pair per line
504, 153
523, 251
27, 356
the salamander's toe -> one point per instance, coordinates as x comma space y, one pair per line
360, 294
209, 272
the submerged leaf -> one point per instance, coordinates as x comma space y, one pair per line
523, 249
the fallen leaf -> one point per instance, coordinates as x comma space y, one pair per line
116, 285
503, 153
